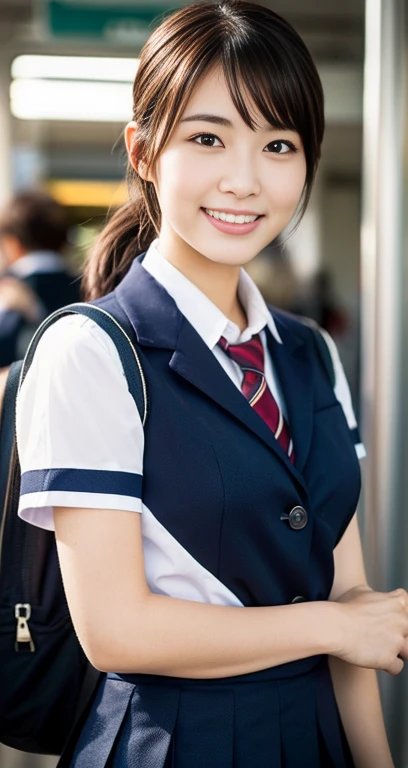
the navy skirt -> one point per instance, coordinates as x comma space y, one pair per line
258, 720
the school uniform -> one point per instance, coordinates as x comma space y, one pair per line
227, 516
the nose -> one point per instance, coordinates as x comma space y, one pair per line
240, 178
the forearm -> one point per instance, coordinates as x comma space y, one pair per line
358, 699
192, 639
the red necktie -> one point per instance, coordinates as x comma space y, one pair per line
250, 357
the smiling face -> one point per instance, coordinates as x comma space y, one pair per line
215, 170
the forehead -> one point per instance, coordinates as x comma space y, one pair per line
211, 95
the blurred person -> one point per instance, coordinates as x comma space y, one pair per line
211, 559
36, 279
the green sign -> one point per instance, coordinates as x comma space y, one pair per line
106, 20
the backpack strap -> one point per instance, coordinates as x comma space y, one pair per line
7, 427
128, 354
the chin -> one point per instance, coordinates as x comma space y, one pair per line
232, 259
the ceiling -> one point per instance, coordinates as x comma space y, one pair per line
333, 29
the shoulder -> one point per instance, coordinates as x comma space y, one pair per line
76, 339
298, 325
80, 438
307, 330
327, 354
74, 358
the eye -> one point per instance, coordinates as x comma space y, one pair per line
280, 147
207, 140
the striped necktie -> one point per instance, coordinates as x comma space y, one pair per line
250, 357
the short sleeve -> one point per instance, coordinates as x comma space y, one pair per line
343, 395
79, 435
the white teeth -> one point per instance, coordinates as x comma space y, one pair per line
230, 217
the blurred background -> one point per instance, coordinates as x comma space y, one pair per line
66, 71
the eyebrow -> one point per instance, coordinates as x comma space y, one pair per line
218, 120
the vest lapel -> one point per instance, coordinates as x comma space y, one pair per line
197, 364
295, 374
158, 323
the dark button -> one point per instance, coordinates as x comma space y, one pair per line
297, 518
299, 599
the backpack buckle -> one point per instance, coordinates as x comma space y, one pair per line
23, 632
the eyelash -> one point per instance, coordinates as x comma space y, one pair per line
288, 144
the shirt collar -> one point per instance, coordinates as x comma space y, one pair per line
37, 262
209, 322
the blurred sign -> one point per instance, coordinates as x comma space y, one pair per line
113, 21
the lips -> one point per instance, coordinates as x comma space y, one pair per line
236, 226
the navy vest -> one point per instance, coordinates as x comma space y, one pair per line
215, 476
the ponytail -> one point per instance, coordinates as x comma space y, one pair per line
129, 231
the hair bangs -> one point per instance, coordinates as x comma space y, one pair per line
260, 88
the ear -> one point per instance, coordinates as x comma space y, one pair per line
133, 153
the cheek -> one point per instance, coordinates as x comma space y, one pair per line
181, 178
285, 186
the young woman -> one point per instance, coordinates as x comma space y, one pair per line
223, 593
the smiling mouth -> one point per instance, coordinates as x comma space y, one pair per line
232, 218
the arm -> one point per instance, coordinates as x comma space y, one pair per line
122, 626
356, 689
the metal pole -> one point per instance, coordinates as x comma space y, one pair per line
384, 405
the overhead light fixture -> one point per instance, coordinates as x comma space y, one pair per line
75, 68
78, 88
67, 100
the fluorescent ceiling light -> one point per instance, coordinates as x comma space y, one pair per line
64, 100
75, 68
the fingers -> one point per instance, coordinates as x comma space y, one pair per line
402, 596
403, 652
395, 667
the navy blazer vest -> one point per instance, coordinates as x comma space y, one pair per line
215, 476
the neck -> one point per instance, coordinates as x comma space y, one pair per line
219, 282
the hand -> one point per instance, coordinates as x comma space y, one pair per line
375, 628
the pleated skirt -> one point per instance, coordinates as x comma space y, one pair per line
253, 720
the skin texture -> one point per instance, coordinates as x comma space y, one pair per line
121, 624
255, 171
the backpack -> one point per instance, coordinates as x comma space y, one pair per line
47, 682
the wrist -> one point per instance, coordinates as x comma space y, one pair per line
330, 623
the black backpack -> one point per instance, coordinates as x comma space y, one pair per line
46, 682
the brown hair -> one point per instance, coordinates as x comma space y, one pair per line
36, 220
262, 58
